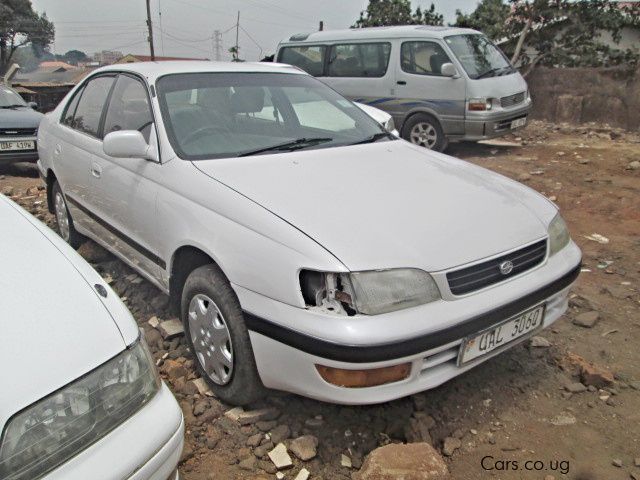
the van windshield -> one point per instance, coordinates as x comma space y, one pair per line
223, 115
479, 57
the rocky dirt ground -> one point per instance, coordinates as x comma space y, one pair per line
565, 405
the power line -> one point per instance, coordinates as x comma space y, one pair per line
256, 43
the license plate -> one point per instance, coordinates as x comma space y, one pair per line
17, 145
519, 122
500, 335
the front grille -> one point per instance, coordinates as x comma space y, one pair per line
18, 132
512, 100
487, 273
506, 124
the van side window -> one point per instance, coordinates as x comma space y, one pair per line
308, 58
422, 58
359, 60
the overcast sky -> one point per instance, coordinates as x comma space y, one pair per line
185, 27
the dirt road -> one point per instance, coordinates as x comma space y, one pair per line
534, 412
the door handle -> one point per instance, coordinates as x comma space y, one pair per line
57, 150
401, 82
96, 170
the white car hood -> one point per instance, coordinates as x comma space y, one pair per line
55, 327
390, 204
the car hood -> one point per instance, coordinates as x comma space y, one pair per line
54, 326
390, 204
23, 117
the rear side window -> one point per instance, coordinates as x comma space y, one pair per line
308, 58
359, 60
91, 104
70, 111
129, 108
423, 58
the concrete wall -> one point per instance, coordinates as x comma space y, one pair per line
579, 95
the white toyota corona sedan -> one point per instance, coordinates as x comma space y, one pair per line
306, 248
80, 396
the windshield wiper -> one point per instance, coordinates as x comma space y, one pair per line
489, 73
374, 138
12, 106
289, 146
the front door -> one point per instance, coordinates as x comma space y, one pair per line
420, 84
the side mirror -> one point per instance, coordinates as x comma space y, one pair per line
128, 144
33, 105
448, 70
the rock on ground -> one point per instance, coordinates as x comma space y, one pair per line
450, 445
171, 328
280, 457
586, 319
411, 461
305, 447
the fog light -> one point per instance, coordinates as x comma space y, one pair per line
364, 378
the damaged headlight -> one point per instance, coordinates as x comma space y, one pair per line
558, 235
58, 427
370, 292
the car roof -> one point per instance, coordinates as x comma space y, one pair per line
154, 70
378, 33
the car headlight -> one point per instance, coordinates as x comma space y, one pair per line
370, 292
61, 425
558, 235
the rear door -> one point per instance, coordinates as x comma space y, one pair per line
77, 144
420, 84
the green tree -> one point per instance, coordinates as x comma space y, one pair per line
20, 25
489, 17
569, 32
75, 56
381, 13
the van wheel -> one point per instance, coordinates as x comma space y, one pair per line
63, 218
425, 131
218, 337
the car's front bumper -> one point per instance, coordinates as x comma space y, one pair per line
288, 342
491, 124
146, 447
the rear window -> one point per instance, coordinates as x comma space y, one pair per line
359, 60
308, 58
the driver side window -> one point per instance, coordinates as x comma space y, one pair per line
129, 108
423, 58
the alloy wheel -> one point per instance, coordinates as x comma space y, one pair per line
424, 134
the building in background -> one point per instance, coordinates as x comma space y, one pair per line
107, 57
133, 58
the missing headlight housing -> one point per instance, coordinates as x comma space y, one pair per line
368, 292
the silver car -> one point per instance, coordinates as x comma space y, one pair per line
438, 83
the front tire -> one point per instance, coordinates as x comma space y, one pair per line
425, 131
63, 218
218, 337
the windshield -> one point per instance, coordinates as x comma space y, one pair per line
479, 57
9, 98
221, 115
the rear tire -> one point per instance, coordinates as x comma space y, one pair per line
63, 218
425, 131
218, 337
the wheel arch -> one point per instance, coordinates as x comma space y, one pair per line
420, 111
186, 259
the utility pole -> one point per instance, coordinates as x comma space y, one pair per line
217, 45
237, 36
153, 55
321, 27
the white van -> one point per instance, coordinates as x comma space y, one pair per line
438, 83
